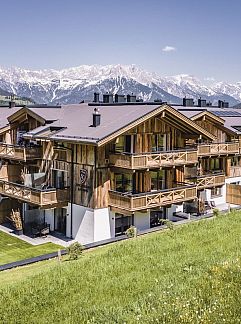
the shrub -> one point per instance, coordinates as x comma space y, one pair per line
216, 212
131, 232
168, 223
74, 250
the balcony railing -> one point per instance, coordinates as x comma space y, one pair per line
154, 160
210, 181
133, 202
16, 152
40, 197
235, 171
218, 149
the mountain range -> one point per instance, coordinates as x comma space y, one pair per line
75, 84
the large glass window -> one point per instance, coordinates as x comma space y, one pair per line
58, 179
157, 180
122, 223
158, 142
120, 144
157, 216
215, 164
123, 182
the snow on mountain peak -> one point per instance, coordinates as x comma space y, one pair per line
75, 83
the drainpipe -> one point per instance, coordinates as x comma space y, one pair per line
72, 192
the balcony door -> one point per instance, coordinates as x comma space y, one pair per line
60, 220
125, 144
122, 223
59, 179
159, 142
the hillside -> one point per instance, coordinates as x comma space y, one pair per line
79, 83
187, 275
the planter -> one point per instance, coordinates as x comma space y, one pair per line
18, 232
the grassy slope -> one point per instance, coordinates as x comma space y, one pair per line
14, 249
189, 275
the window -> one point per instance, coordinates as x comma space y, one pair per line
124, 144
215, 164
158, 142
235, 161
123, 182
157, 180
157, 216
120, 144
59, 179
122, 223
216, 192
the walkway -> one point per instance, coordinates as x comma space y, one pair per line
56, 239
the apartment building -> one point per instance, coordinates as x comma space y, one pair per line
92, 170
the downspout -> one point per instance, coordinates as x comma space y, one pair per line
95, 176
72, 192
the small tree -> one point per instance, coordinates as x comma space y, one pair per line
74, 250
131, 232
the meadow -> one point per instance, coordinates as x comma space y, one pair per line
191, 274
13, 249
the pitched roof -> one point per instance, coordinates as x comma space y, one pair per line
76, 122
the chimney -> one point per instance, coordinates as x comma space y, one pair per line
188, 102
119, 98
223, 104
96, 117
131, 98
96, 97
201, 102
11, 104
108, 98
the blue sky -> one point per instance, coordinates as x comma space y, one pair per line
201, 37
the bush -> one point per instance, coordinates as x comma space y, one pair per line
131, 232
216, 212
74, 250
168, 223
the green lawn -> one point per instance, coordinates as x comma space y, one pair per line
191, 274
14, 249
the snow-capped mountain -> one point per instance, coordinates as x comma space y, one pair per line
75, 84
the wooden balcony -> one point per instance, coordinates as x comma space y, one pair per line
40, 197
16, 152
235, 171
154, 160
210, 181
216, 149
133, 202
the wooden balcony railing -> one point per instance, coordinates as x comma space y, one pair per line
154, 160
40, 197
210, 181
16, 152
133, 202
218, 149
235, 171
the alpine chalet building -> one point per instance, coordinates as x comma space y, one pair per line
91, 170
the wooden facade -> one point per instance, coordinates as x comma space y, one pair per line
151, 156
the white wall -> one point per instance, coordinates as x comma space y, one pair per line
173, 209
142, 220
104, 225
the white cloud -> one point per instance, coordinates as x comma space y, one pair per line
209, 79
168, 48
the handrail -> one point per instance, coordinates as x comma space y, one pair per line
128, 194
188, 149
28, 188
19, 146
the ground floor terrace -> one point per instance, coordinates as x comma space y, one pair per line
75, 222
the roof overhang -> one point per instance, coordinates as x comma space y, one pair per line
24, 112
189, 124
